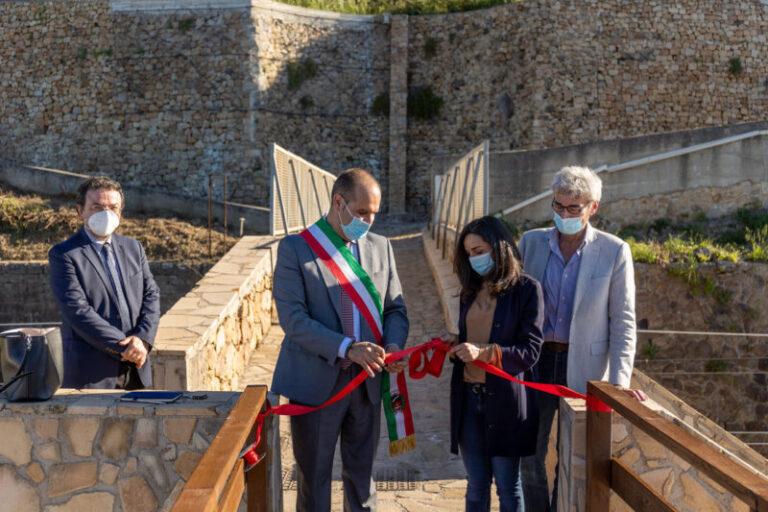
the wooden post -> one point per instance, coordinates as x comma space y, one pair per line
257, 479
598, 458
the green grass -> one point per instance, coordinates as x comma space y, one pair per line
397, 6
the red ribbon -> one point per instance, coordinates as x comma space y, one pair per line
420, 365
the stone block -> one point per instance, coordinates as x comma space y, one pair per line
35, 472
17, 494
660, 480
81, 432
19, 451
155, 468
179, 430
108, 473
697, 497
146, 433
45, 428
630, 456
116, 437
650, 448
86, 502
187, 463
49, 451
136, 495
131, 465
67, 478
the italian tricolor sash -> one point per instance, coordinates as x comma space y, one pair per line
334, 253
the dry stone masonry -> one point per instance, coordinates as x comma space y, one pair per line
162, 94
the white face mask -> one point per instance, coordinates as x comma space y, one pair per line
103, 223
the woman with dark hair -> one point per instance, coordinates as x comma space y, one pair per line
493, 421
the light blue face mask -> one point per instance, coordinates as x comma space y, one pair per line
482, 263
356, 229
569, 226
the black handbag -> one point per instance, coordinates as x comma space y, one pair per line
32, 361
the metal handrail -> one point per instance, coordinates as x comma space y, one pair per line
297, 198
462, 195
643, 161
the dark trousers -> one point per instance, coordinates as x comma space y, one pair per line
482, 468
128, 377
552, 369
355, 420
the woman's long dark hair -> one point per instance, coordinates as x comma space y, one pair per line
507, 267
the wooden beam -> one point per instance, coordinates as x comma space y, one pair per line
257, 479
233, 492
205, 485
634, 491
598, 459
746, 485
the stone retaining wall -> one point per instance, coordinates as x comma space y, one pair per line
85, 451
25, 290
204, 341
164, 94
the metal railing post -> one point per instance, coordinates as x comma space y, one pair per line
298, 193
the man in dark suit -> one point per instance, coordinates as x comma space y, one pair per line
109, 301
328, 340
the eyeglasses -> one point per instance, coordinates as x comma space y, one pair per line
573, 209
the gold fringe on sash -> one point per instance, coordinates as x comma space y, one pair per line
401, 446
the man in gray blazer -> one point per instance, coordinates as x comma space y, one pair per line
589, 298
109, 302
326, 344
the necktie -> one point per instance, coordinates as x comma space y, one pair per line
347, 322
114, 278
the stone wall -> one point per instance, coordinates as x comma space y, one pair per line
162, 94
85, 451
204, 341
25, 290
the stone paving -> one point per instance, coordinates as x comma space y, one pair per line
429, 478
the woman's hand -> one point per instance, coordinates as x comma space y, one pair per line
400, 364
467, 352
448, 338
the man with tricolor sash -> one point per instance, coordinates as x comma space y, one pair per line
340, 304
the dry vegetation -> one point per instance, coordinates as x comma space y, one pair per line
30, 225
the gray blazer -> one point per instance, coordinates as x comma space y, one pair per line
603, 333
308, 303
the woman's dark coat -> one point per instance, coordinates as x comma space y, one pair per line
512, 416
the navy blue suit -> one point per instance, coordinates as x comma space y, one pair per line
91, 323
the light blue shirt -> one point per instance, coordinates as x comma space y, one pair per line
559, 290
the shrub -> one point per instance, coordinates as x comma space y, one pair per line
299, 71
424, 104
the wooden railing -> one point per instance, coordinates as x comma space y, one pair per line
605, 472
218, 482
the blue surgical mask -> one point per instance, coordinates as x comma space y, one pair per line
356, 229
482, 263
569, 226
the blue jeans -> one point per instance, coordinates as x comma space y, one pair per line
481, 468
552, 369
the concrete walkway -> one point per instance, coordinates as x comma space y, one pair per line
429, 478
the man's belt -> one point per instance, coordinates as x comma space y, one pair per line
555, 346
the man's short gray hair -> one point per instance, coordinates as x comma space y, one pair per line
578, 182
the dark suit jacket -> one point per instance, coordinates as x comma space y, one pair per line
91, 326
512, 416
308, 304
